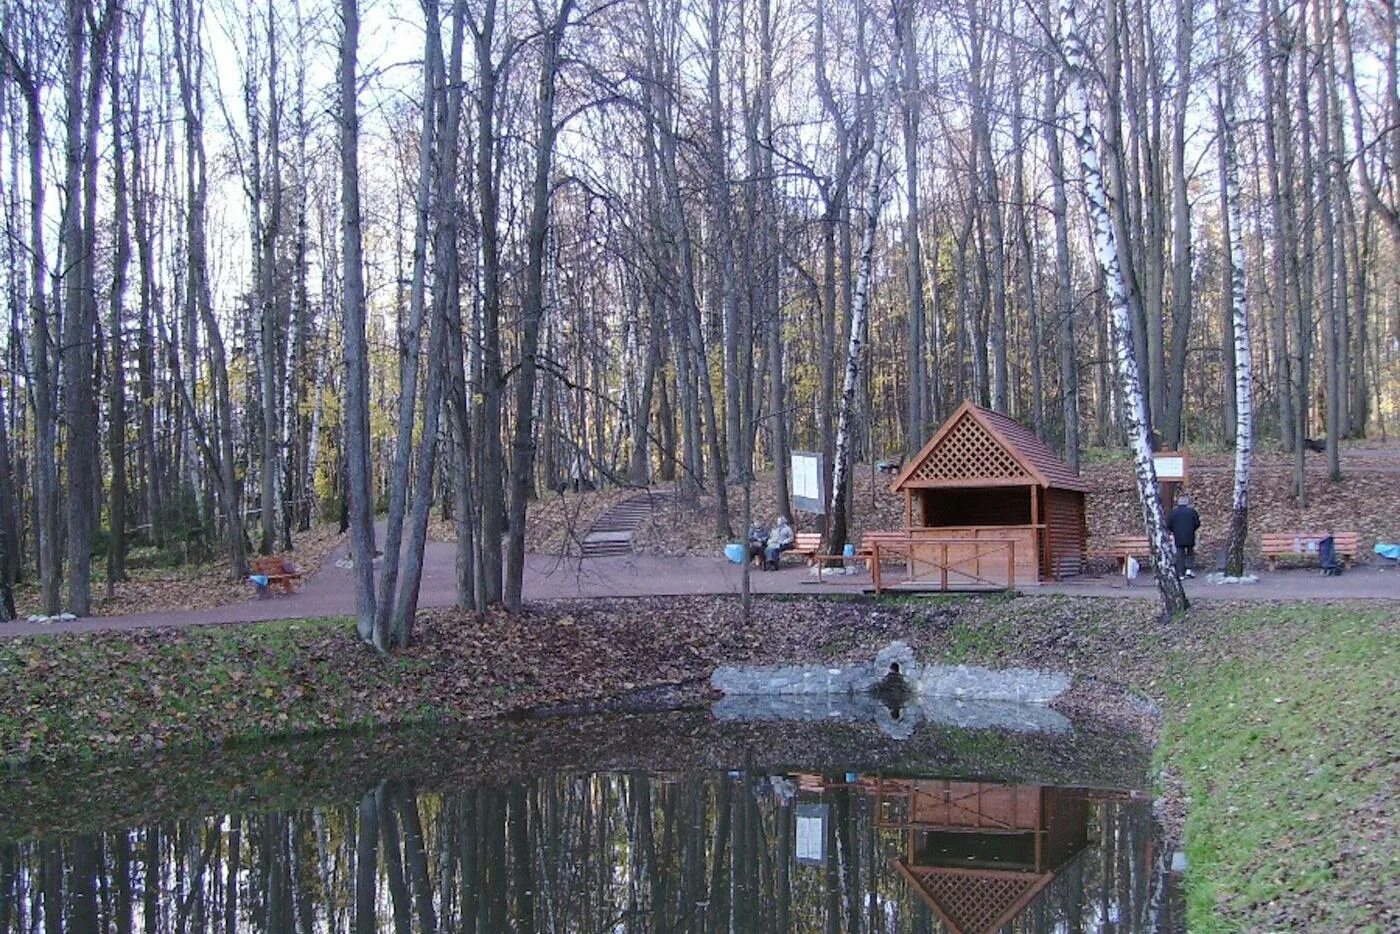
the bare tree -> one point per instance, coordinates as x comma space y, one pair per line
356, 408
1076, 60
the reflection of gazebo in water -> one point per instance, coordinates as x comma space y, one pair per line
978, 854
986, 498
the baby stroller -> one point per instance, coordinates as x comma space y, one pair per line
1327, 557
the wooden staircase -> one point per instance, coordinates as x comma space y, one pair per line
611, 535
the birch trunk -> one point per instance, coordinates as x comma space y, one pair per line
1244, 401
860, 306
1105, 240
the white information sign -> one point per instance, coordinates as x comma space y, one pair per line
807, 492
811, 833
1170, 466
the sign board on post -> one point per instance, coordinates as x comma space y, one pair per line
1171, 475
811, 833
808, 490
1171, 466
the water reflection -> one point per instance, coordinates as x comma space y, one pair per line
743, 850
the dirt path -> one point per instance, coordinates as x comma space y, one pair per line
330, 592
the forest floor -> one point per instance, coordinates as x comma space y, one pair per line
199, 586
1278, 757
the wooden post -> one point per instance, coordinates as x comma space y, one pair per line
943, 568
1010, 564
875, 564
1039, 534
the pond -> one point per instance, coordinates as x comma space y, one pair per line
657, 822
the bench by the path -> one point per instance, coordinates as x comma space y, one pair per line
1275, 545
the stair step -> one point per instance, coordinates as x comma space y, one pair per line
611, 534
605, 551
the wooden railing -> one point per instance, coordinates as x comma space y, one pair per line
918, 550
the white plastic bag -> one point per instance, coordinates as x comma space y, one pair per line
1132, 568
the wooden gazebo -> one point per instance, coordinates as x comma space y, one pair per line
983, 479
979, 853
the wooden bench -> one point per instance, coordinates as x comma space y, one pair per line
1275, 545
278, 570
807, 544
1122, 547
892, 543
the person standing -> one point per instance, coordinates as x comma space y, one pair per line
1183, 523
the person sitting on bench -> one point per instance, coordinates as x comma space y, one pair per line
780, 539
758, 540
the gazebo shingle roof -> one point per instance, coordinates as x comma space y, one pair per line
1030, 453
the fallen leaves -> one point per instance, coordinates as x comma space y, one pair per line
192, 587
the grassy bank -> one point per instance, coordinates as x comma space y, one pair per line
1286, 747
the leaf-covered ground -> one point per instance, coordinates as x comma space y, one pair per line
88, 695
188, 587
689, 528
1364, 501
556, 522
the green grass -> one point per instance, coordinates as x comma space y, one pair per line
973, 640
1286, 755
79, 697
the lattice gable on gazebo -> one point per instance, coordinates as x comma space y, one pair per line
973, 901
968, 450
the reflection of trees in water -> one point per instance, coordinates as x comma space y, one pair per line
593, 853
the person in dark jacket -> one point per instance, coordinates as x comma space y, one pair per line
758, 540
1183, 523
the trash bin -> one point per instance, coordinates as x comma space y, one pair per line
736, 552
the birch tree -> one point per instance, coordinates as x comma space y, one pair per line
860, 308
1135, 419
1234, 231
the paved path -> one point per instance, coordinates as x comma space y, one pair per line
330, 592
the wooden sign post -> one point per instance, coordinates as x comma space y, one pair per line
1171, 475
